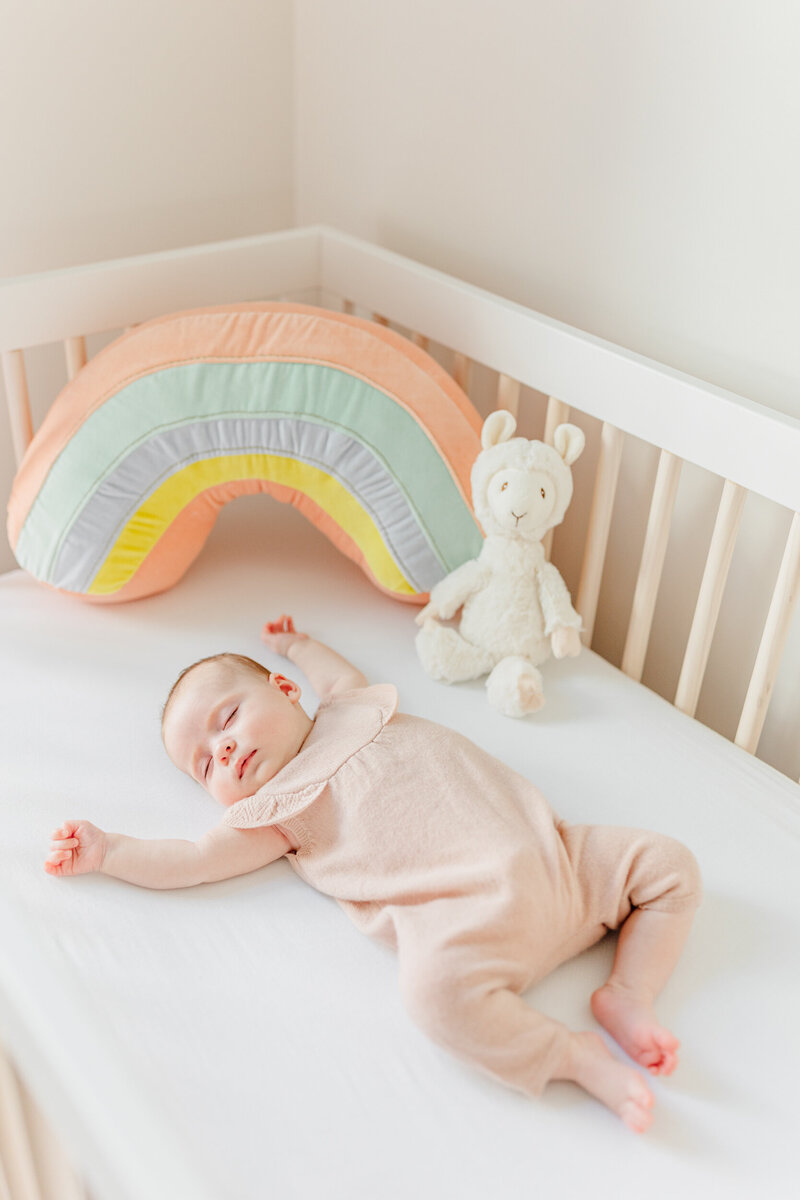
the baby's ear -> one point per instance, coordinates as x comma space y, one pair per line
569, 442
498, 427
288, 687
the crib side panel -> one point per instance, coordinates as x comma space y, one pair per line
665, 613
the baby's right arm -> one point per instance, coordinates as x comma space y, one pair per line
326, 671
79, 847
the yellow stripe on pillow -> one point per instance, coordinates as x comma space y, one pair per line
149, 522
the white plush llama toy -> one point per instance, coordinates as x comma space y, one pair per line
515, 604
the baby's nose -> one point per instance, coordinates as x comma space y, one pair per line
225, 750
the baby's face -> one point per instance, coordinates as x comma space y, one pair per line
233, 731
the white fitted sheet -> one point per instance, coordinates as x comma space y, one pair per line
243, 1040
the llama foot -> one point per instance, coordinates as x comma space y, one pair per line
515, 687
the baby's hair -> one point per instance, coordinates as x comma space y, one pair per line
234, 660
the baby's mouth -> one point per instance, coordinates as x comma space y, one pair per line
244, 762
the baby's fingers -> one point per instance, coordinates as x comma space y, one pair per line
65, 831
58, 863
64, 843
284, 624
58, 856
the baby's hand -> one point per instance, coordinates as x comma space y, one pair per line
76, 848
281, 634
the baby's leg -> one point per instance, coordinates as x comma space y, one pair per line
465, 997
649, 946
459, 1000
591, 1064
657, 902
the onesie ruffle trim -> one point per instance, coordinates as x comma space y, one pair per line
344, 725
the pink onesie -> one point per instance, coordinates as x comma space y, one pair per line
439, 850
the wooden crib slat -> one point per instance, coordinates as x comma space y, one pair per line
379, 319
5, 1187
58, 1179
594, 555
348, 307
19, 408
508, 391
462, 369
698, 647
651, 566
557, 414
420, 340
18, 1164
75, 350
773, 640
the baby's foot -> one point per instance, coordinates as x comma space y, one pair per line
620, 1088
631, 1021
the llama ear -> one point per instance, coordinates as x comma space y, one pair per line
498, 427
569, 442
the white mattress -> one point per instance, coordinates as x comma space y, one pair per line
243, 1040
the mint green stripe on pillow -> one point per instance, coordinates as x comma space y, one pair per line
188, 393
115, 500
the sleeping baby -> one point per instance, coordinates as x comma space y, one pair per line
431, 846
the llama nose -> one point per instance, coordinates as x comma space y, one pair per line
518, 518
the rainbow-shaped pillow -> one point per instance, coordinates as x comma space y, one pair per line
355, 425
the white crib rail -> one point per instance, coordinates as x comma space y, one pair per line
684, 417
652, 402
630, 395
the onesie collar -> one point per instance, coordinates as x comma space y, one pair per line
343, 725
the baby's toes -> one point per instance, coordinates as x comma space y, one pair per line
636, 1108
665, 1052
636, 1116
657, 1050
664, 1064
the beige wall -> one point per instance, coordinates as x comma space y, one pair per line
141, 127
627, 166
130, 128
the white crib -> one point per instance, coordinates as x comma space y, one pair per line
605, 749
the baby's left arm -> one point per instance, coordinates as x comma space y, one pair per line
326, 671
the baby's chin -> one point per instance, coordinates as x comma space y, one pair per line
250, 790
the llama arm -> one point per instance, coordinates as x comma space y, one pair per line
449, 593
555, 601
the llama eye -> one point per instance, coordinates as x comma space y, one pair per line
542, 491
503, 487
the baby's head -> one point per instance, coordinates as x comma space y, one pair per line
231, 725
